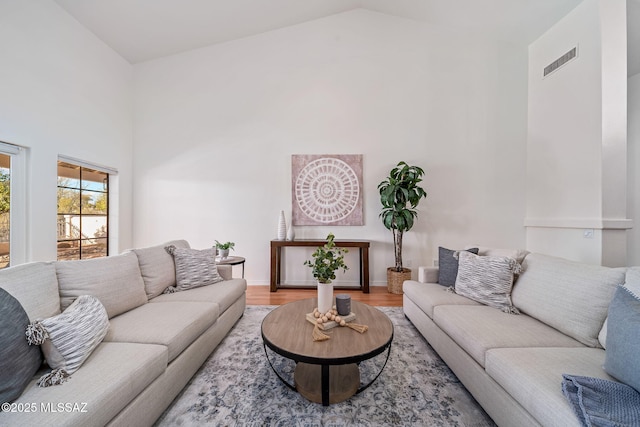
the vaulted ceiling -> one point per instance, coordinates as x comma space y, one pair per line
141, 30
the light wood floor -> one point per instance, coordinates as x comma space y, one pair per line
378, 296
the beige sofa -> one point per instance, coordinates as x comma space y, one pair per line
155, 343
513, 364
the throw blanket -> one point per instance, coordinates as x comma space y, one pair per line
601, 403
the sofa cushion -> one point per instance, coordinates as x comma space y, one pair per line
429, 295
533, 377
172, 324
448, 265
194, 268
157, 267
623, 338
116, 281
224, 294
631, 282
35, 286
487, 279
570, 296
109, 380
18, 360
478, 329
68, 338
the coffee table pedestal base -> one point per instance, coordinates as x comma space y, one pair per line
327, 384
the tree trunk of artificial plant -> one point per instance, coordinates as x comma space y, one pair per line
397, 242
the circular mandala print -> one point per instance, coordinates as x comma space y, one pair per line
327, 190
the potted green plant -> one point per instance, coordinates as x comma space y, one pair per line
326, 260
223, 248
400, 195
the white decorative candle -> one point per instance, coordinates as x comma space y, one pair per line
325, 297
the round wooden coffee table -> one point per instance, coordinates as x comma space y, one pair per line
326, 371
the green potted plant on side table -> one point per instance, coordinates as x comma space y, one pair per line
223, 248
400, 195
326, 260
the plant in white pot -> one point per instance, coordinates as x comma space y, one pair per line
326, 260
223, 248
400, 195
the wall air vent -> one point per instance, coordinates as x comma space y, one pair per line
555, 65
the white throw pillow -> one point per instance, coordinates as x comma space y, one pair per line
68, 338
487, 279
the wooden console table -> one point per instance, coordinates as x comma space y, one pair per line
276, 257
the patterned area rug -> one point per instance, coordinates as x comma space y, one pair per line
237, 387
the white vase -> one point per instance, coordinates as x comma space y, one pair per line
290, 233
282, 227
325, 297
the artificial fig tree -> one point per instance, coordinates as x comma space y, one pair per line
400, 195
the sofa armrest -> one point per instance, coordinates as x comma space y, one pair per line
225, 271
428, 274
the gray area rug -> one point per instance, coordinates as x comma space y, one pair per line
237, 387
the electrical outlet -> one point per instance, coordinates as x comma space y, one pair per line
588, 233
436, 262
408, 263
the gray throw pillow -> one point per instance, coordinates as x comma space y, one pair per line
487, 279
68, 339
623, 338
448, 266
18, 360
194, 268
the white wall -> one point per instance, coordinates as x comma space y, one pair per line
576, 148
215, 129
633, 141
62, 91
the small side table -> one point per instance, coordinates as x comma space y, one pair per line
232, 260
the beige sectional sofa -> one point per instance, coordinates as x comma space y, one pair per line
513, 364
154, 345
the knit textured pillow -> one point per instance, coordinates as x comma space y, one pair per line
69, 338
194, 268
487, 279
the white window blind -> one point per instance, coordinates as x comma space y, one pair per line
84, 164
9, 148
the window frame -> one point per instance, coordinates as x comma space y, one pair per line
110, 172
18, 246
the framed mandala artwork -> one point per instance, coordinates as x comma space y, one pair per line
326, 189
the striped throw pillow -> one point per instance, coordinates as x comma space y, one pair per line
68, 339
487, 279
194, 268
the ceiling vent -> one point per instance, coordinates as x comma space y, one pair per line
558, 63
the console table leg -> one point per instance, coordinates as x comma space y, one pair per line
365, 269
273, 286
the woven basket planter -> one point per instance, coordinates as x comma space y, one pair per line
395, 279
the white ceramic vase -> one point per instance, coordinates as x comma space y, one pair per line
282, 227
325, 297
290, 233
